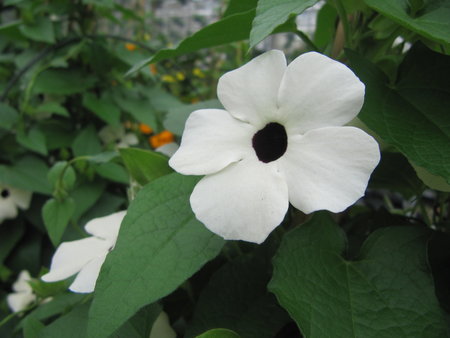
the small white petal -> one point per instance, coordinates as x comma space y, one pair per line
316, 92
212, 139
87, 277
245, 201
161, 327
168, 149
106, 227
21, 284
20, 197
328, 168
109, 134
129, 139
71, 257
19, 301
8, 209
250, 92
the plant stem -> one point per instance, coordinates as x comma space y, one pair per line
346, 26
308, 42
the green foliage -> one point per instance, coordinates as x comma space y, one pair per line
161, 244
412, 111
143, 165
375, 295
219, 333
428, 18
56, 215
272, 13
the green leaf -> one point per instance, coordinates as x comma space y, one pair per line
85, 196
55, 175
239, 6
430, 21
74, 324
140, 325
177, 116
33, 140
56, 215
219, 333
272, 13
376, 296
396, 174
70, 325
412, 115
63, 82
10, 234
40, 30
325, 25
29, 173
144, 165
52, 108
160, 245
140, 108
8, 116
103, 106
161, 100
59, 304
432, 181
86, 142
113, 171
32, 328
230, 29
236, 298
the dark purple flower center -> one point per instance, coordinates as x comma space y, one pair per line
270, 143
4, 193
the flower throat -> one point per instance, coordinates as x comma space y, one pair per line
270, 143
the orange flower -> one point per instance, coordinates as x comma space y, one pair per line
145, 129
161, 139
153, 68
130, 46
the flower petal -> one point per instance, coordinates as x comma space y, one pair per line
87, 277
20, 197
250, 92
127, 140
316, 92
106, 227
245, 201
328, 168
21, 284
8, 209
19, 301
212, 139
71, 257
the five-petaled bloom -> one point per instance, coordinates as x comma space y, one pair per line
86, 256
23, 294
280, 139
11, 199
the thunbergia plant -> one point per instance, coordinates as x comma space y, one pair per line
280, 140
267, 176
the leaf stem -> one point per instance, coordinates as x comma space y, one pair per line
308, 42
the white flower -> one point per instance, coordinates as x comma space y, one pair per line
281, 139
112, 134
11, 199
23, 293
85, 256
